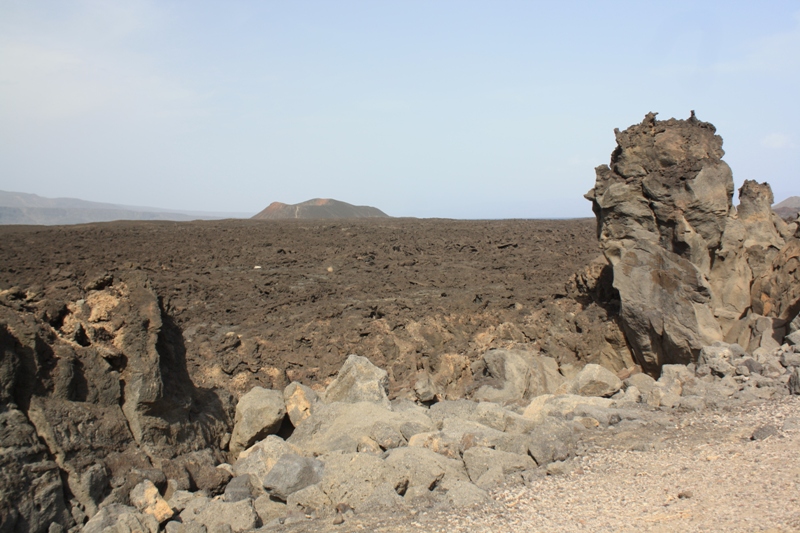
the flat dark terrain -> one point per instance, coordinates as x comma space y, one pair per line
273, 301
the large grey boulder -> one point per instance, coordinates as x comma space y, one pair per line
243, 487
458, 434
292, 473
552, 440
641, 381
421, 468
512, 375
259, 459
593, 380
344, 426
259, 413
118, 517
359, 381
240, 516
481, 461
350, 478
564, 406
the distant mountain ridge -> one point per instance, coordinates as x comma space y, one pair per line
318, 208
788, 208
24, 208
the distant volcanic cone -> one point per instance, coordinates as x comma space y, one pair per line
318, 208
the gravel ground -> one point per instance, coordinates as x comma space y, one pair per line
730, 469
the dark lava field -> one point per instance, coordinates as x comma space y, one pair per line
269, 302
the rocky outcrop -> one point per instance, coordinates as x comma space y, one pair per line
690, 268
101, 399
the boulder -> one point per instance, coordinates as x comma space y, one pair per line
359, 381
268, 509
203, 472
300, 402
350, 478
793, 338
243, 487
479, 460
511, 375
146, 498
564, 406
384, 498
642, 382
552, 440
465, 494
453, 409
423, 468
718, 358
240, 516
292, 473
593, 380
259, 413
70, 430
259, 459
120, 518
496, 417
307, 500
342, 426
466, 434
794, 381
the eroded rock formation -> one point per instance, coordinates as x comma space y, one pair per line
102, 382
690, 268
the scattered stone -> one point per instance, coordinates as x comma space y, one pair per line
146, 498
300, 402
764, 432
121, 518
268, 509
643, 382
259, 413
240, 516
308, 500
512, 375
242, 488
292, 473
259, 459
593, 380
794, 381
479, 460
359, 381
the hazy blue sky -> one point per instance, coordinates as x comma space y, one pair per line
432, 108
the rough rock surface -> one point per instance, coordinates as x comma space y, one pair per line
259, 413
359, 381
683, 258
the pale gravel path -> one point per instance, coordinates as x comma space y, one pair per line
705, 475
734, 484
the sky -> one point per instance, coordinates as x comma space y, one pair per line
436, 108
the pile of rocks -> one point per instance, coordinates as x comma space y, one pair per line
352, 450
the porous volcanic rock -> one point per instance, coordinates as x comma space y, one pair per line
683, 258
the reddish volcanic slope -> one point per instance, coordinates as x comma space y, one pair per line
318, 208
